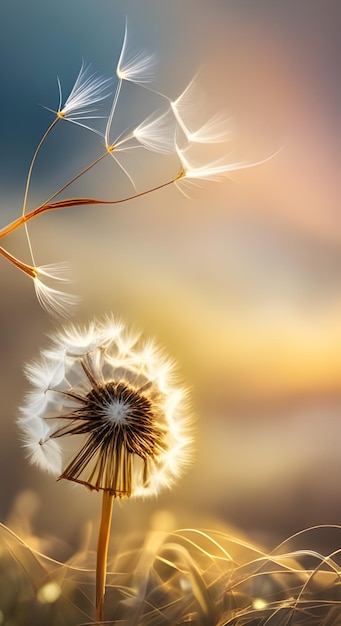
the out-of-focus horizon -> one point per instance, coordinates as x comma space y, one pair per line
241, 282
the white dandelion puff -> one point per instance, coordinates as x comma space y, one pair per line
193, 172
188, 102
47, 372
54, 301
218, 129
120, 396
38, 402
134, 66
41, 449
214, 170
157, 132
188, 106
88, 91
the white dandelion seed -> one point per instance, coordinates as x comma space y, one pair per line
48, 371
88, 91
41, 450
134, 66
54, 301
157, 132
218, 129
120, 396
188, 106
214, 170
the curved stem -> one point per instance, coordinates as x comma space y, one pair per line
111, 115
102, 552
28, 269
72, 180
63, 204
28, 180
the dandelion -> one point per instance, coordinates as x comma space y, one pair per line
192, 171
106, 411
217, 129
157, 132
176, 130
134, 66
54, 301
88, 91
214, 170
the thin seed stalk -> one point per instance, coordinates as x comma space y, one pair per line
72, 202
102, 552
28, 269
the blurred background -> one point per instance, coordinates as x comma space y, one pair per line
241, 282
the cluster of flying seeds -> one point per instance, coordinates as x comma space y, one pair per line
170, 129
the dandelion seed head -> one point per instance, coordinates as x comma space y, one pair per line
111, 416
117, 411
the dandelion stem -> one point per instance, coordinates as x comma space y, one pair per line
112, 112
102, 552
47, 132
72, 180
69, 202
28, 269
28, 182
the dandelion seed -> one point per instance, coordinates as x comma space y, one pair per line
56, 302
134, 66
157, 133
42, 451
188, 102
88, 91
217, 129
47, 372
52, 300
213, 170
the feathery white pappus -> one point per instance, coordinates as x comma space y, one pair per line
106, 410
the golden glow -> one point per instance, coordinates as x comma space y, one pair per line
49, 593
259, 604
163, 520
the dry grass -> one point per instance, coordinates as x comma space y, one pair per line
188, 576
